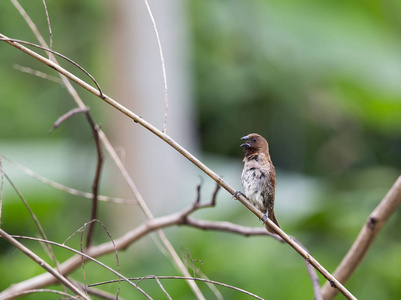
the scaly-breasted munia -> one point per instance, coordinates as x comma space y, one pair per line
259, 176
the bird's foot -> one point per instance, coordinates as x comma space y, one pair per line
238, 193
264, 218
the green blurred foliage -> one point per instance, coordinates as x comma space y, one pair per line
319, 79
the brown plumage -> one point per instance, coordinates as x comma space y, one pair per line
259, 177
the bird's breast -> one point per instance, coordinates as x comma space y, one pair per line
254, 181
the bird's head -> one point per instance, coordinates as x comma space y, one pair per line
255, 143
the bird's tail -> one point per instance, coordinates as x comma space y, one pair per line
273, 218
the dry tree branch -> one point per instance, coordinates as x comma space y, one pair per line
68, 115
64, 188
333, 281
49, 27
79, 254
366, 237
36, 291
4, 38
96, 180
52, 272
99, 163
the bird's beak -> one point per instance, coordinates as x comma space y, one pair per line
247, 145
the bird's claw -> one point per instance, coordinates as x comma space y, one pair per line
235, 195
264, 218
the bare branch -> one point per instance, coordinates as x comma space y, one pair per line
68, 115
158, 282
34, 218
366, 237
64, 188
80, 254
99, 293
36, 291
43, 264
49, 26
96, 180
11, 41
228, 227
163, 67
37, 73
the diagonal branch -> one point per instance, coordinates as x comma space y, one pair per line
64, 188
366, 237
51, 272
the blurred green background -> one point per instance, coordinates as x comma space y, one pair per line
319, 79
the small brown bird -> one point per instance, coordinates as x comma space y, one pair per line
259, 176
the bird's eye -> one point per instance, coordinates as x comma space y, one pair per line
254, 140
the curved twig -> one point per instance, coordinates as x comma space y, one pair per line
34, 291
79, 253
52, 272
8, 40
186, 278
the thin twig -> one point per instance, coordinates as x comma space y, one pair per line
163, 67
43, 264
64, 188
192, 262
375, 222
157, 280
186, 278
333, 281
80, 253
68, 115
37, 73
228, 227
50, 28
96, 180
81, 230
36, 291
99, 293
10, 41
36, 221
99, 163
